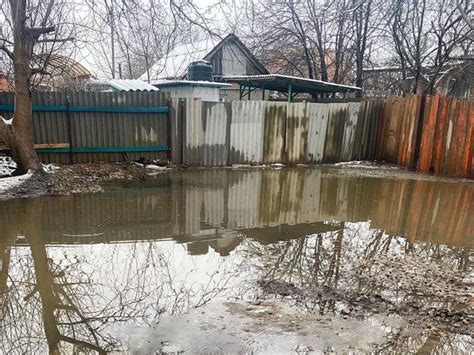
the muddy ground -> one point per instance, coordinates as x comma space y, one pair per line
82, 178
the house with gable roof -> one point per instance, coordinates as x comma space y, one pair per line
228, 56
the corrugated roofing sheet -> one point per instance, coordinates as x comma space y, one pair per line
283, 80
131, 85
167, 83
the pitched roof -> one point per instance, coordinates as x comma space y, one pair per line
174, 64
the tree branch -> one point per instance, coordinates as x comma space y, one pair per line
37, 31
8, 52
55, 40
464, 15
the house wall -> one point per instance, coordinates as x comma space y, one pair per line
234, 61
210, 94
230, 60
229, 94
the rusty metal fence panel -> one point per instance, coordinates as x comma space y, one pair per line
335, 132
391, 133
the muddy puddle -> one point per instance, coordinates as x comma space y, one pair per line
313, 260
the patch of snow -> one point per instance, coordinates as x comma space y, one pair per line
364, 164
155, 167
7, 166
8, 122
174, 64
12, 181
50, 168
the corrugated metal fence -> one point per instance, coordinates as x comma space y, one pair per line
430, 134
92, 127
433, 134
263, 132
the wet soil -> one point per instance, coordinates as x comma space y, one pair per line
83, 178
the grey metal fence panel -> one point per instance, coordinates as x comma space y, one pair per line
335, 132
318, 122
297, 133
194, 132
350, 127
246, 132
216, 120
274, 137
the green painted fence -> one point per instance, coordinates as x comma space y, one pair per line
98, 126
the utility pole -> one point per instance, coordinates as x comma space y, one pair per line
112, 36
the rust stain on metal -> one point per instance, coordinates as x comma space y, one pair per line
428, 133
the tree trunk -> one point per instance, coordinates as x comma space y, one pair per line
19, 135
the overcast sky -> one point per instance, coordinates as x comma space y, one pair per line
86, 52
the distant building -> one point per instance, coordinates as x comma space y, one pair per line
5, 84
227, 57
60, 73
455, 80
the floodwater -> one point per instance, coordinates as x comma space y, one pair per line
303, 260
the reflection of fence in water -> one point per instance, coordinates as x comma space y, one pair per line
207, 202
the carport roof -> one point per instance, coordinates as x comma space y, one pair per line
286, 83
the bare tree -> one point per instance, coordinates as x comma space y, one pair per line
31, 28
426, 33
129, 36
465, 12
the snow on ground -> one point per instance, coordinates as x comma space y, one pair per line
7, 166
363, 164
12, 181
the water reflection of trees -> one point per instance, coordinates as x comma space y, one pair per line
358, 261
69, 298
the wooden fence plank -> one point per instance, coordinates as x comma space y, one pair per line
428, 133
392, 130
463, 138
440, 134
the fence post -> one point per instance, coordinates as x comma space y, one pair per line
419, 131
168, 130
69, 129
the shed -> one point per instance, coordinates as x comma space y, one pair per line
290, 85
